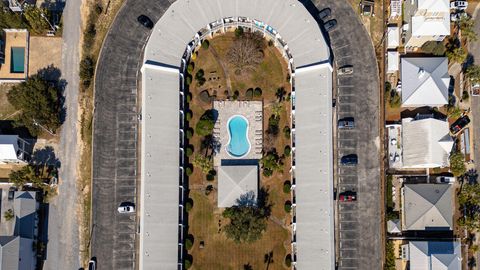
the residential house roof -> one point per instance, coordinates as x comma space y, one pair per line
427, 207
8, 147
435, 255
236, 181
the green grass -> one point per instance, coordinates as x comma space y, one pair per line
7, 111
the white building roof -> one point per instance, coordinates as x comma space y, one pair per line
160, 148
433, 255
426, 143
8, 147
438, 26
393, 59
235, 182
394, 226
393, 37
395, 8
434, 5
425, 81
428, 207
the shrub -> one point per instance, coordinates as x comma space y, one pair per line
8, 215
388, 87
199, 76
287, 151
434, 47
457, 163
189, 133
190, 67
188, 204
210, 177
203, 163
465, 96
188, 98
235, 95
273, 125
249, 93
239, 32
188, 262
257, 92
205, 44
270, 43
189, 242
205, 125
188, 171
87, 70
189, 150
287, 186
98, 9
288, 206
286, 132
188, 115
188, 80
288, 260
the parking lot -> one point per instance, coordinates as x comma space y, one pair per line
358, 233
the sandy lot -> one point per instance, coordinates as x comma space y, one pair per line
44, 51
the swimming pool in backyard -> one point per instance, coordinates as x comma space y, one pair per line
238, 143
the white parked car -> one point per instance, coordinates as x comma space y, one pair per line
126, 207
460, 5
445, 179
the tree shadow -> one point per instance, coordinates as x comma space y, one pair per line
53, 76
45, 156
471, 176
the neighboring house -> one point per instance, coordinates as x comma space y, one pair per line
426, 143
425, 81
428, 20
427, 207
14, 55
394, 226
393, 40
12, 149
433, 255
18, 251
237, 182
392, 61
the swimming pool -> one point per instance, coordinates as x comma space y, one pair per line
17, 64
238, 144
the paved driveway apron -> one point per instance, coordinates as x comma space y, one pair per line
115, 144
358, 224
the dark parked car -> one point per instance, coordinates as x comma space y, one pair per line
348, 196
92, 265
346, 123
324, 13
145, 21
349, 160
459, 124
330, 25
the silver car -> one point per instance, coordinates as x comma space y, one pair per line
126, 207
345, 70
346, 123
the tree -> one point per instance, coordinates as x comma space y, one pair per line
205, 44
199, 76
287, 186
457, 54
8, 215
394, 99
39, 103
436, 48
239, 32
23, 176
206, 123
36, 18
246, 52
469, 201
247, 223
87, 70
271, 162
280, 94
9, 19
457, 163
467, 28
203, 163
389, 256
473, 74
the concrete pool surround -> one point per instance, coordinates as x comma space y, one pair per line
244, 134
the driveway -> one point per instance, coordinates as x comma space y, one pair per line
63, 237
358, 223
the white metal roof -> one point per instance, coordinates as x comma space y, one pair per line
236, 181
434, 5
438, 26
159, 222
8, 147
393, 37
425, 81
435, 255
426, 143
314, 169
393, 59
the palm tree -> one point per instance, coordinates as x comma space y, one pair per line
280, 94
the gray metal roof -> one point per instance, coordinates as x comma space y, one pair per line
9, 246
160, 162
314, 169
428, 206
435, 255
236, 181
25, 207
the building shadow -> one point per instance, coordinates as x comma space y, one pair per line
42, 241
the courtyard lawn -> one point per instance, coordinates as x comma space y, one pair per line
205, 219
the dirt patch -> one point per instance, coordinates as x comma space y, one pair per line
7, 111
43, 52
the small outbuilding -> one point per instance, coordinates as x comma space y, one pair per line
237, 184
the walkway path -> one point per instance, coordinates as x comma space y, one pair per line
226, 72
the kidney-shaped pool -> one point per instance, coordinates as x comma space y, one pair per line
238, 144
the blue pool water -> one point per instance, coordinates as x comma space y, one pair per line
17, 64
238, 144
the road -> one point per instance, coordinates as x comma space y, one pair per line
115, 138
358, 224
63, 230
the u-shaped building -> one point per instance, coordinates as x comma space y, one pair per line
299, 37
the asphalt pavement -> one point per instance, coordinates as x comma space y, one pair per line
63, 231
115, 137
358, 223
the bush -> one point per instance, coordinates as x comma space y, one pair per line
465, 96
188, 204
288, 260
188, 80
190, 67
188, 171
87, 70
436, 48
249, 93
199, 76
273, 125
188, 115
98, 9
189, 242
189, 133
235, 95
457, 163
388, 87
188, 262
287, 151
270, 43
287, 187
286, 132
189, 150
206, 123
239, 32
210, 177
395, 100
257, 92
188, 98
288, 206
205, 44
8, 215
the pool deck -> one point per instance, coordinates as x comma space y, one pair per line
14, 38
253, 112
